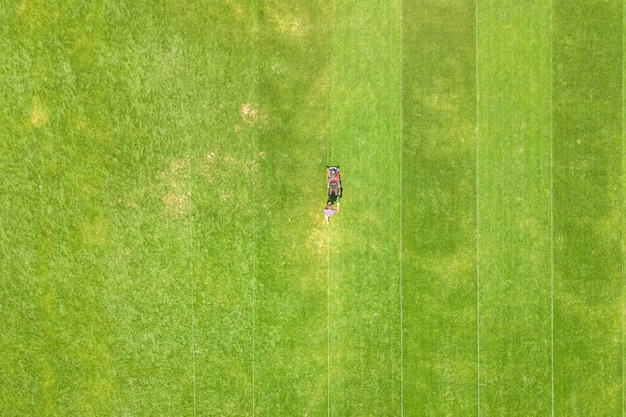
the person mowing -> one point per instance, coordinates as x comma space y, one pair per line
329, 211
333, 182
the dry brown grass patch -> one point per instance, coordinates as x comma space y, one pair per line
174, 187
38, 115
249, 114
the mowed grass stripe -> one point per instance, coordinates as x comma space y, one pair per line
220, 101
291, 289
439, 213
587, 102
514, 206
365, 235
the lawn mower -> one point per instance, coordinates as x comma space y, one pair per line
333, 182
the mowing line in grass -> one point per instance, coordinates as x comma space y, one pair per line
401, 197
477, 206
623, 214
328, 132
623, 220
588, 206
551, 219
255, 197
328, 322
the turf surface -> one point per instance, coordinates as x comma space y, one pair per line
439, 209
588, 209
365, 244
514, 211
162, 246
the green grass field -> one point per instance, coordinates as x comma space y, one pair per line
162, 246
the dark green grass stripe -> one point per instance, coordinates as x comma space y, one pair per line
291, 291
365, 342
514, 205
588, 39
439, 211
623, 219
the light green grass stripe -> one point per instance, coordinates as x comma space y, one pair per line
477, 13
552, 376
365, 356
514, 206
401, 198
255, 199
328, 133
220, 82
588, 163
